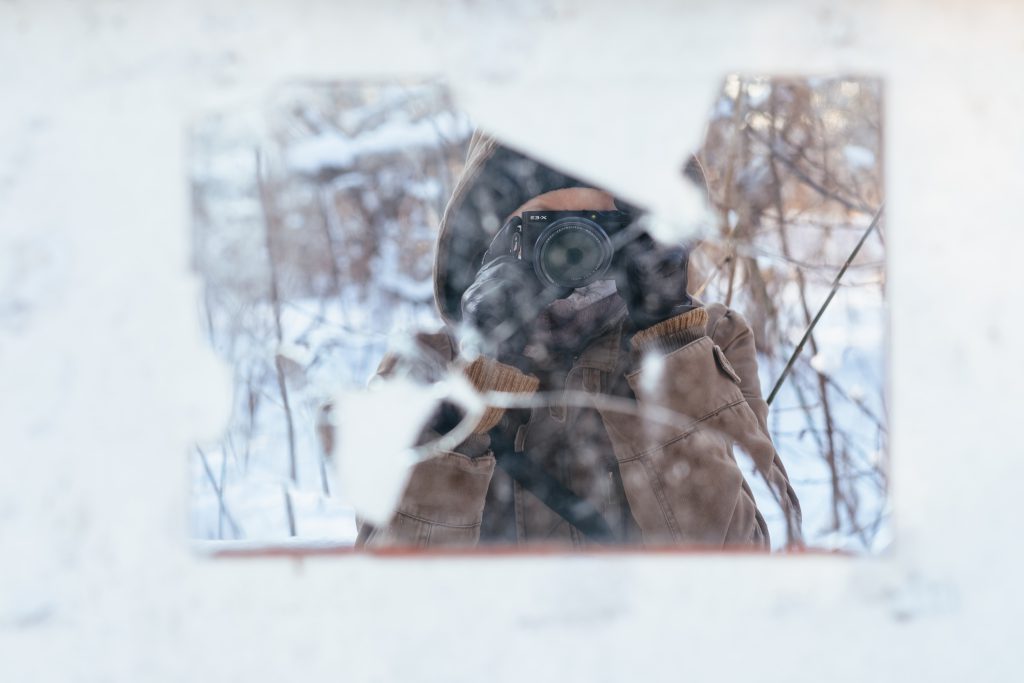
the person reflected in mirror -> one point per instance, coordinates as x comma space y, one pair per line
622, 397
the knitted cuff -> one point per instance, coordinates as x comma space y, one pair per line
671, 334
487, 374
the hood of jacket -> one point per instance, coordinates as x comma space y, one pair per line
495, 181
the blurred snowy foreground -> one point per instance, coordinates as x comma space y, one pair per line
109, 381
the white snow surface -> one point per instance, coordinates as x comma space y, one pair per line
333, 150
108, 378
858, 156
378, 430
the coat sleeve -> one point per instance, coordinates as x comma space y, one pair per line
444, 498
734, 336
675, 449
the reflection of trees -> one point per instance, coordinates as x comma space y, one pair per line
795, 168
312, 251
307, 272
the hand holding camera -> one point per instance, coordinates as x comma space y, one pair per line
571, 249
652, 279
505, 298
541, 256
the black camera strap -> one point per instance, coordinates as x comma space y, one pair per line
529, 474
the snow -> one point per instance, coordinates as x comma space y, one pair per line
652, 374
859, 157
271, 463
822, 363
377, 431
332, 150
109, 379
757, 93
686, 224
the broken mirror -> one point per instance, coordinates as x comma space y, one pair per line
438, 340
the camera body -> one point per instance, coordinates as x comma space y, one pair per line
569, 249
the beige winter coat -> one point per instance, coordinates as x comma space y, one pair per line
642, 426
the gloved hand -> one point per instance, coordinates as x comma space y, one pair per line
505, 299
501, 305
651, 278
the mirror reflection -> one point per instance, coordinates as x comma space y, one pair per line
440, 341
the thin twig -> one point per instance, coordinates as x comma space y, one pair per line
327, 212
845, 394
782, 227
289, 509
804, 178
223, 478
275, 300
821, 311
223, 508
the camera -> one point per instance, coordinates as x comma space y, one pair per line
568, 249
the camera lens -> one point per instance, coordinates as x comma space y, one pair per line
572, 252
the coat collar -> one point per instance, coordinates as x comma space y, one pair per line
603, 353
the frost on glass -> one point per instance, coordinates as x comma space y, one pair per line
315, 219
